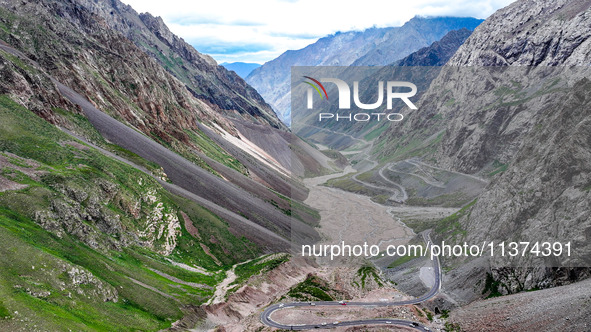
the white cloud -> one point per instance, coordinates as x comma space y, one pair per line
258, 31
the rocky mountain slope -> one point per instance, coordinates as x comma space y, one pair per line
223, 90
376, 46
525, 128
92, 243
558, 309
414, 34
137, 90
115, 190
80, 50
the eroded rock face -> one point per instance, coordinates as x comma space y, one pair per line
85, 214
82, 280
544, 196
72, 281
24, 85
224, 90
525, 128
531, 33
138, 72
80, 50
544, 192
240, 311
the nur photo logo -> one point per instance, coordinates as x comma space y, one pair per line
392, 92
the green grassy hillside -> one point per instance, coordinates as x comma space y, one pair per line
91, 243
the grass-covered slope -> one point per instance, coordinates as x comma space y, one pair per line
90, 243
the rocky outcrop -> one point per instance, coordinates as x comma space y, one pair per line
68, 279
531, 33
30, 88
83, 213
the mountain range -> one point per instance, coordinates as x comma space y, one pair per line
144, 187
509, 108
371, 47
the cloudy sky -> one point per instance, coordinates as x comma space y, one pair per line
260, 30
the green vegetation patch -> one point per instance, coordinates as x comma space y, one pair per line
456, 199
369, 271
450, 227
313, 288
452, 327
420, 144
498, 167
4, 313
491, 286
258, 266
376, 132
214, 151
214, 234
36, 268
408, 257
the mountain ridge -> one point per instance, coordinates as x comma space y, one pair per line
201, 74
510, 105
272, 79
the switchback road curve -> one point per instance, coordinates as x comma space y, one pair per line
266, 315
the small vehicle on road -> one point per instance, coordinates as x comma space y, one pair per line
336, 323
413, 324
342, 303
323, 324
281, 305
388, 322
312, 303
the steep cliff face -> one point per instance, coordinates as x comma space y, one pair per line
523, 34
223, 90
526, 128
80, 50
371, 47
531, 33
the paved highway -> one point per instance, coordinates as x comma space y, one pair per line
266, 315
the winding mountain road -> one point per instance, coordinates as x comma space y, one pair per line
267, 320
399, 194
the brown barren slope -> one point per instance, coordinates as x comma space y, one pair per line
564, 308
